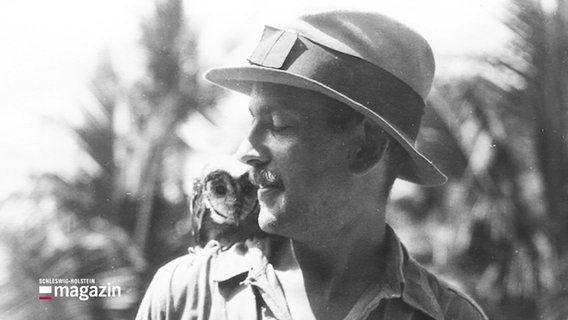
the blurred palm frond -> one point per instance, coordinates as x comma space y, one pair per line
510, 123
47, 237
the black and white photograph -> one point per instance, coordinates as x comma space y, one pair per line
292, 160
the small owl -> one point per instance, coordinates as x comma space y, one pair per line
224, 205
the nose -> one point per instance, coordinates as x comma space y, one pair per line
253, 149
250, 155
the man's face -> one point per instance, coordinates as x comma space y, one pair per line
300, 164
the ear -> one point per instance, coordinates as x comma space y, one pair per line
369, 148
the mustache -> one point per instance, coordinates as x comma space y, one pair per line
265, 178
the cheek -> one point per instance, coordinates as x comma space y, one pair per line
321, 172
310, 161
326, 161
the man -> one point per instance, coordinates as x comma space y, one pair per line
336, 102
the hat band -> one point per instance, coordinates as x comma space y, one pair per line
358, 79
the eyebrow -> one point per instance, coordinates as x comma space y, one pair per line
270, 109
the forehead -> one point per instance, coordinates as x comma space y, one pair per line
268, 98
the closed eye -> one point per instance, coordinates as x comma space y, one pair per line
280, 128
279, 123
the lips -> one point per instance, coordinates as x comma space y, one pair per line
268, 196
270, 186
269, 183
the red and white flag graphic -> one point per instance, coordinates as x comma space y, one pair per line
44, 292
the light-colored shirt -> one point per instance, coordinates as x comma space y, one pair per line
240, 283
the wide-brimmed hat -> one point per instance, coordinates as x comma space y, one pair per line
368, 61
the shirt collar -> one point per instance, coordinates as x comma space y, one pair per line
412, 280
249, 257
404, 277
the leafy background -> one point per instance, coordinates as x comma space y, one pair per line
496, 122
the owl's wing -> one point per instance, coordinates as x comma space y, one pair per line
196, 209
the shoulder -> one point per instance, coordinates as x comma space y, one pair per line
175, 284
454, 304
185, 271
461, 306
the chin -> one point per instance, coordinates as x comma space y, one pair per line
271, 222
266, 220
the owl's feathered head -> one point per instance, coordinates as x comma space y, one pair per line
224, 205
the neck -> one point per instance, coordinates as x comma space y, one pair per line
345, 262
336, 254
333, 265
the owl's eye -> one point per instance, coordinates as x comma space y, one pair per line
220, 189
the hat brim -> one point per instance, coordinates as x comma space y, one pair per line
418, 169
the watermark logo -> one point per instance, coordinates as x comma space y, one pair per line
82, 289
45, 292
